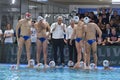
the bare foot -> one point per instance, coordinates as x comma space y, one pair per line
17, 66
77, 65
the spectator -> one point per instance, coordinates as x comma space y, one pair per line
113, 37
117, 21
105, 15
106, 33
115, 15
101, 26
93, 17
112, 23
33, 32
107, 30
8, 34
86, 14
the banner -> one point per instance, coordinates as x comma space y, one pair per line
111, 53
8, 54
83, 10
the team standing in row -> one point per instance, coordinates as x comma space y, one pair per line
80, 36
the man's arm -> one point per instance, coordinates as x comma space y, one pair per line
98, 10
98, 31
67, 34
53, 27
73, 35
64, 27
48, 29
110, 10
1, 33
108, 39
17, 28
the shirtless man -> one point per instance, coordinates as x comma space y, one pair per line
90, 37
78, 32
24, 27
43, 32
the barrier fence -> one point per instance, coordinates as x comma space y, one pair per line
8, 54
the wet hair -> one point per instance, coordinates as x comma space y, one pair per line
33, 21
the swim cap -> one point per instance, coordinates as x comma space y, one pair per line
31, 62
81, 64
92, 66
105, 63
76, 19
86, 20
40, 66
13, 67
40, 18
52, 64
27, 15
70, 63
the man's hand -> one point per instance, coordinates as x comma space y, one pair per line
70, 42
99, 40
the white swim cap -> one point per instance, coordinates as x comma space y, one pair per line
40, 66
106, 63
81, 64
86, 19
52, 64
40, 18
76, 19
92, 66
32, 62
70, 63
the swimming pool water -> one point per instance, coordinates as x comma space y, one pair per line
57, 74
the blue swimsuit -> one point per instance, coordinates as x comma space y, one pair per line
91, 41
25, 37
42, 39
78, 39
